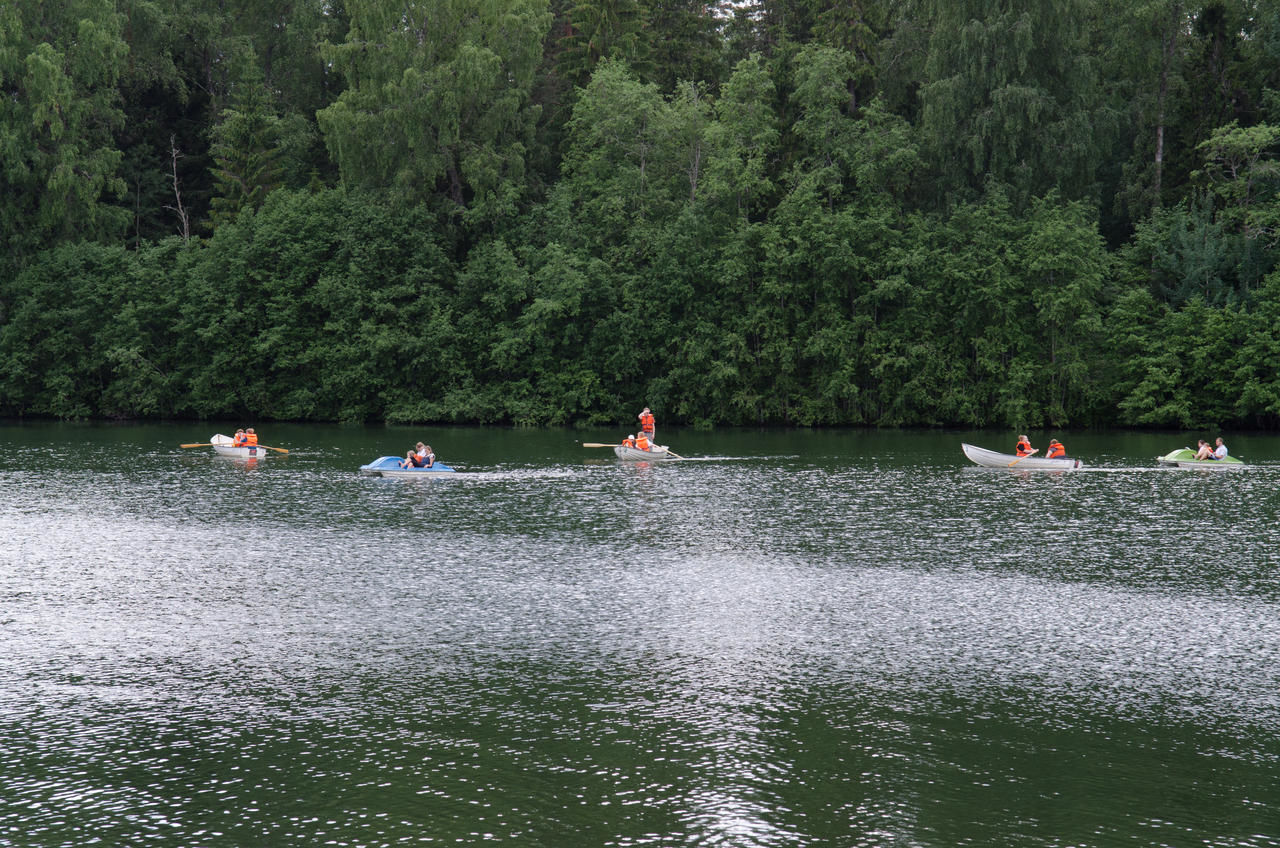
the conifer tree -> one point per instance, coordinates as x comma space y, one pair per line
245, 152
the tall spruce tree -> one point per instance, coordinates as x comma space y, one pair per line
246, 146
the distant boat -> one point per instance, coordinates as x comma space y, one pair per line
994, 459
390, 466
1186, 458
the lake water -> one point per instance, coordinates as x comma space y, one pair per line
792, 639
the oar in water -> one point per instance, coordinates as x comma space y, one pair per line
670, 452
1019, 459
212, 445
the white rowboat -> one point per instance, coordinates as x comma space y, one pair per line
223, 446
657, 453
994, 459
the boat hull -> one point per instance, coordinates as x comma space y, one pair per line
389, 466
1186, 458
995, 459
223, 446
657, 454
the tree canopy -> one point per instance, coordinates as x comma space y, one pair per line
1009, 213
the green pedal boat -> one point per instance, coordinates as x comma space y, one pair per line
1186, 458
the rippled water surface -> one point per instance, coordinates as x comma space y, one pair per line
790, 639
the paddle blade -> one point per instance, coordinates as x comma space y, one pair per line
597, 445
198, 445
268, 447
1019, 459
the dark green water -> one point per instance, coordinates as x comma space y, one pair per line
792, 639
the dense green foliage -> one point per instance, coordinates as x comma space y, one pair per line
861, 212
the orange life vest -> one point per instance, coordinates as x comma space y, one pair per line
240, 440
628, 443
642, 442
1023, 448
251, 439
646, 422
1055, 451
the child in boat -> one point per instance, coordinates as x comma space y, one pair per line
1204, 450
240, 439
1056, 450
629, 442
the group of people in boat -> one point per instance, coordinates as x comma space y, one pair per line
245, 439
421, 456
1056, 449
642, 440
1206, 451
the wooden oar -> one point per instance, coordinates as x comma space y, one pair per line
598, 445
1019, 459
212, 445
670, 452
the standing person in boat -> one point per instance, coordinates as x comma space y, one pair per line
1056, 450
1023, 448
646, 423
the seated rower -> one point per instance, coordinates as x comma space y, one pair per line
642, 441
240, 439
1056, 450
251, 438
1023, 448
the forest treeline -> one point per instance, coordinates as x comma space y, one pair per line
1022, 213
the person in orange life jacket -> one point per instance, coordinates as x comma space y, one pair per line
1023, 447
629, 442
1056, 450
642, 441
240, 439
251, 438
646, 422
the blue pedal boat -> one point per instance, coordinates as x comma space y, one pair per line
389, 466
